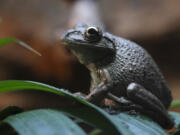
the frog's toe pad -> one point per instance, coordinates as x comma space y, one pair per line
79, 94
171, 130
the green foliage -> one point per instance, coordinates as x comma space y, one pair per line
9, 111
5, 41
43, 122
95, 132
59, 121
175, 103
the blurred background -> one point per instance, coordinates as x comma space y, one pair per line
153, 24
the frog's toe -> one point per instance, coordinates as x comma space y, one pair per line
170, 131
79, 94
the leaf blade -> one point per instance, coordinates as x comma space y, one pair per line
133, 125
109, 123
97, 118
9, 111
114, 128
5, 41
175, 103
140, 125
43, 122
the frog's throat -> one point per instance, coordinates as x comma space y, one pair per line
95, 77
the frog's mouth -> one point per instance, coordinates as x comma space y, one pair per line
88, 54
71, 45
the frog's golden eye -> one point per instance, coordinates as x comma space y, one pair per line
93, 34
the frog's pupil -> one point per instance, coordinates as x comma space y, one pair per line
93, 31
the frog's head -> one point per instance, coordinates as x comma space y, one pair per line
88, 43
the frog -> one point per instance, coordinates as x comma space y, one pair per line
120, 70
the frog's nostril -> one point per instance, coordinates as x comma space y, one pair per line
66, 34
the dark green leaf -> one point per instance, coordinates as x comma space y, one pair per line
43, 122
132, 125
176, 117
14, 85
175, 103
5, 41
111, 127
97, 118
95, 132
116, 125
6, 129
138, 125
9, 111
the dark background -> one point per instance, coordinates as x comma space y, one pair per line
153, 24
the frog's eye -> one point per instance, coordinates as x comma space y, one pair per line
93, 34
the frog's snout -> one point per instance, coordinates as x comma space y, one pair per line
66, 34
63, 36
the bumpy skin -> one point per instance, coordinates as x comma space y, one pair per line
121, 70
132, 63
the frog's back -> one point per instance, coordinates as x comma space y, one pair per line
133, 64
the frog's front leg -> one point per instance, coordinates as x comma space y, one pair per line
98, 92
96, 95
150, 104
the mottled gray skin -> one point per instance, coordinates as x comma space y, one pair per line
115, 63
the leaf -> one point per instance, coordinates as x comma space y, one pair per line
122, 124
95, 132
98, 118
6, 129
175, 103
5, 41
9, 111
176, 117
43, 122
111, 127
139, 126
133, 125
14, 85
